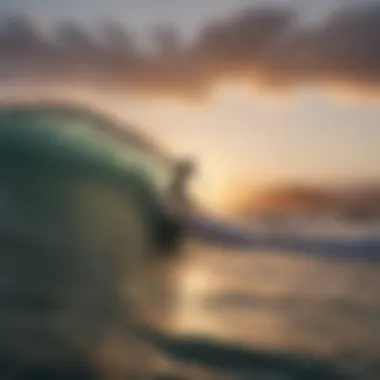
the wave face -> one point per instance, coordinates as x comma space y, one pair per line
67, 248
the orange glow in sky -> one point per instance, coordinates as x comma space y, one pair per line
252, 139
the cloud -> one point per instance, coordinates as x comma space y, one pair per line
342, 48
268, 45
360, 201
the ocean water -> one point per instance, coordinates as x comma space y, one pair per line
271, 314
245, 303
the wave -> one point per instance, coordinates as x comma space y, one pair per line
343, 246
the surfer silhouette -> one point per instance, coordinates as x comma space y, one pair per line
181, 199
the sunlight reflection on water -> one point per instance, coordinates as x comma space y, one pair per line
276, 301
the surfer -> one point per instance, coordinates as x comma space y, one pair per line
179, 208
183, 172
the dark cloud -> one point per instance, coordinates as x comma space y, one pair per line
20, 36
269, 45
342, 48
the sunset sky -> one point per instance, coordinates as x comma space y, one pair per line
246, 134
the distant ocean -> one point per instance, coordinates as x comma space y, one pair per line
330, 238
